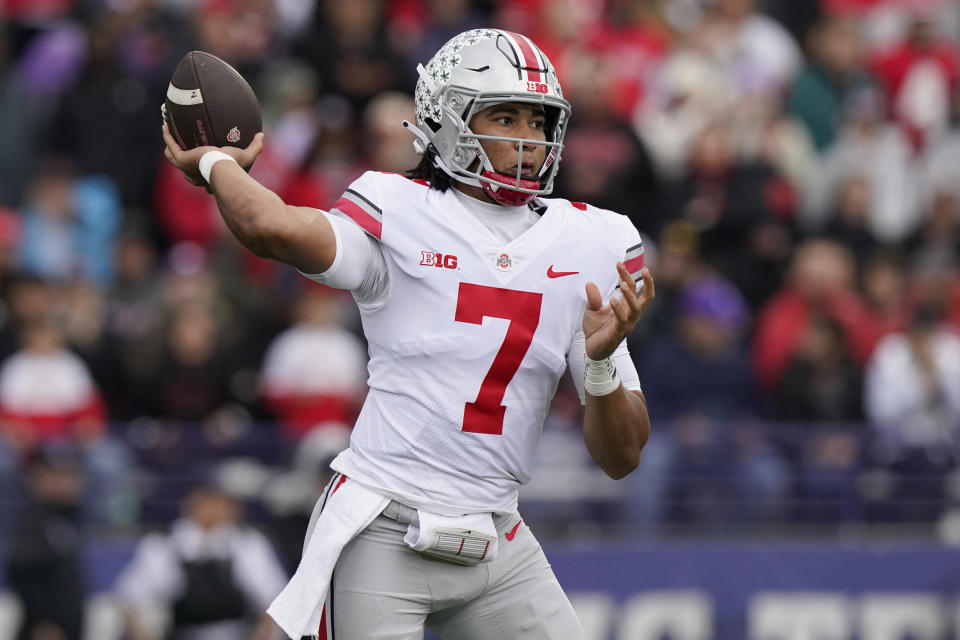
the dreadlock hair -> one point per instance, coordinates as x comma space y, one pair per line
429, 171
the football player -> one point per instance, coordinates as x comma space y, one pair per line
476, 294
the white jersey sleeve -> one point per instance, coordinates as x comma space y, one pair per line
633, 260
359, 265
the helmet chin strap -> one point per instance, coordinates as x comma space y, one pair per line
503, 194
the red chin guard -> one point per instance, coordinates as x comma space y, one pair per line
505, 195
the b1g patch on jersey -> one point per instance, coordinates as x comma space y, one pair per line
504, 263
439, 260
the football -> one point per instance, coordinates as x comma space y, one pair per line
209, 103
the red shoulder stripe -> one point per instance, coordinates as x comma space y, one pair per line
366, 221
636, 264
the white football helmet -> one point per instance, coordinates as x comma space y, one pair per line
473, 71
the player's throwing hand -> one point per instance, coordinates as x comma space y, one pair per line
188, 161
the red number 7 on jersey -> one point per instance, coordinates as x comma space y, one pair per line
522, 309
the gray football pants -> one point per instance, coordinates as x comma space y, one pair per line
382, 589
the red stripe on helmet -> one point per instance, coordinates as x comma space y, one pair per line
531, 63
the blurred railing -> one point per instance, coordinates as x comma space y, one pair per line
705, 478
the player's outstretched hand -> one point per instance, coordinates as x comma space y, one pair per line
606, 325
188, 161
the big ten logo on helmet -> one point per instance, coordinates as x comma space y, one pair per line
538, 87
439, 260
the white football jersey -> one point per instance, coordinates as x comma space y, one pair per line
469, 339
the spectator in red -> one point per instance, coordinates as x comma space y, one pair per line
47, 392
820, 281
47, 395
315, 371
635, 39
919, 75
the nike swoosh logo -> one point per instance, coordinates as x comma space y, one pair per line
559, 274
513, 531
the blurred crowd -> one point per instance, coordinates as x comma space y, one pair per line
793, 165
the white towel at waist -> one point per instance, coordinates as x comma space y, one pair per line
348, 509
473, 536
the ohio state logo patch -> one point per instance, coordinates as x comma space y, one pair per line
233, 135
504, 263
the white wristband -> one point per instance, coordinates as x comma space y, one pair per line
600, 377
208, 159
